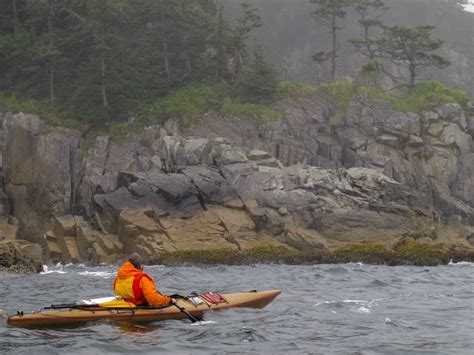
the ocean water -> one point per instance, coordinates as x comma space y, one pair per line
323, 309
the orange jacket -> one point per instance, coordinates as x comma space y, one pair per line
135, 286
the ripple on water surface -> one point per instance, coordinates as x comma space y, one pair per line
323, 309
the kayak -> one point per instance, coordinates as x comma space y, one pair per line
111, 308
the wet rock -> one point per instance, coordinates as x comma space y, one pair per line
13, 258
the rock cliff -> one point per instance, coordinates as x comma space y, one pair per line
306, 183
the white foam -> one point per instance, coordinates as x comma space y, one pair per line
103, 274
461, 263
355, 301
46, 270
204, 322
363, 310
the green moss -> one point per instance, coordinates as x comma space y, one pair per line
269, 254
119, 132
366, 253
190, 102
341, 92
337, 119
291, 89
88, 143
51, 115
256, 112
405, 253
212, 256
416, 253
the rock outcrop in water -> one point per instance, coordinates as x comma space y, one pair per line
381, 177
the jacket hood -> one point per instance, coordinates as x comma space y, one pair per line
127, 270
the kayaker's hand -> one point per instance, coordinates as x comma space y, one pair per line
173, 301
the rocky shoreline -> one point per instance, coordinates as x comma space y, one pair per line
306, 186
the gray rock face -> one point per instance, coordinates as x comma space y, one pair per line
418, 151
306, 182
41, 167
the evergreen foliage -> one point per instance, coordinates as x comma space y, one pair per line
259, 84
328, 12
104, 60
408, 47
370, 13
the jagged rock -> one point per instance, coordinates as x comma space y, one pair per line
85, 239
453, 112
302, 239
41, 166
463, 184
256, 154
140, 220
197, 151
452, 136
402, 124
225, 154
20, 256
470, 124
213, 187
436, 127
32, 251
64, 226
111, 205
164, 192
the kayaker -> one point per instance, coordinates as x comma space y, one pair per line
133, 285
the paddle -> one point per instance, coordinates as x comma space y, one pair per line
192, 318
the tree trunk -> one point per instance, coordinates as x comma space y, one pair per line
51, 82
164, 45
51, 58
219, 45
15, 16
369, 48
412, 69
333, 54
104, 87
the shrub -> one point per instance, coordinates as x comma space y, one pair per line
287, 88
341, 92
258, 112
190, 102
51, 115
427, 95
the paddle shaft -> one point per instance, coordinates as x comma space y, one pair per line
192, 318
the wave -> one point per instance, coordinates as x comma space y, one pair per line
461, 263
102, 274
55, 269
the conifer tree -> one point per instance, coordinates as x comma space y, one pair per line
409, 47
259, 83
329, 12
245, 24
370, 12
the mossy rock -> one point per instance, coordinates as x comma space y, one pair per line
405, 253
367, 253
423, 254
212, 257
461, 253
